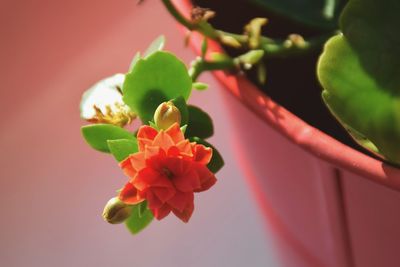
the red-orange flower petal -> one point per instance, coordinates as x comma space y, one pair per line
202, 154
163, 140
129, 195
145, 136
174, 131
185, 147
161, 212
128, 168
187, 212
164, 194
188, 182
166, 172
181, 200
207, 178
148, 177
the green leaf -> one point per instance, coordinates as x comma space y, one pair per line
359, 72
315, 13
183, 128
200, 123
138, 221
217, 162
180, 103
200, 86
157, 45
122, 148
97, 135
155, 79
142, 208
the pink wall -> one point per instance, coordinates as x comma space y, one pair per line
53, 187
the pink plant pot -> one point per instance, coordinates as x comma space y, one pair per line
326, 203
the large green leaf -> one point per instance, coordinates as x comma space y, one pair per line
97, 135
316, 13
140, 218
360, 73
153, 80
122, 148
200, 123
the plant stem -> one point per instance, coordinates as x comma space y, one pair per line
271, 47
178, 16
200, 65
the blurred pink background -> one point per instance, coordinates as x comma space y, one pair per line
53, 186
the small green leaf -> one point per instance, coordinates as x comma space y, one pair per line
134, 61
157, 45
155, 79
180, 103
200, 86
217, 162
200, 123
122, 148
183, 128
97, 135
137, 222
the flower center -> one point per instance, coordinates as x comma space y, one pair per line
167, 172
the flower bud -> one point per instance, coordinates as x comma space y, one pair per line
167, 114
116, 211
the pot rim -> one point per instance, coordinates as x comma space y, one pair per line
292, 127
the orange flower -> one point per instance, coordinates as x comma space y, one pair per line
166, 172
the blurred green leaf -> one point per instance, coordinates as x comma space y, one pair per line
138, 221
122, 148
200, 123
97, 135
200, 86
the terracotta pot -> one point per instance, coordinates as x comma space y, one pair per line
328, 204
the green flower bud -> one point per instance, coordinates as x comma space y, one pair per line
116, 211
167, 114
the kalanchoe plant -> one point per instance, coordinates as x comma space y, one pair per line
167, 159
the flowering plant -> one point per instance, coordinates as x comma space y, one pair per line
167, 159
